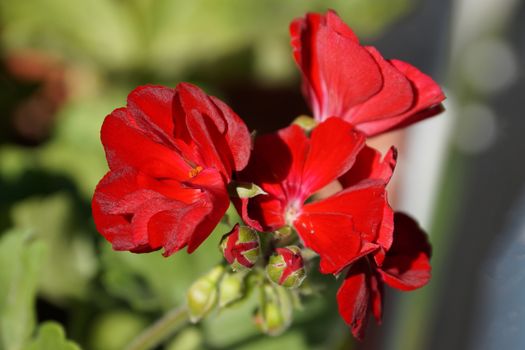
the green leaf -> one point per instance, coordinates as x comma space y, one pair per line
51, 336
20, 266
115, 329
247, 190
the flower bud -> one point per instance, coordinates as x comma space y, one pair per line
274, 315
241, 248
203, 294
286, 267
231, 288
283, 232
305, 122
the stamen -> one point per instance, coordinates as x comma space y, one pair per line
195, 171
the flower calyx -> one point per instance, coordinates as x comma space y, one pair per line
241, 248
286, 267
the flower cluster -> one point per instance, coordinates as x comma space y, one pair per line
176, 154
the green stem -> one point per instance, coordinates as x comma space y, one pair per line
160, 330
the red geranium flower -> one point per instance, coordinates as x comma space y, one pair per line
405, 267
291, 167
171, 153
344, 79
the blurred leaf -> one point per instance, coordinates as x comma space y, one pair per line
20, 266
115, 329
70, 260
233, 324
289, 340
188, 339
76, 150
51, 336
70, 29
173, 37
151, 281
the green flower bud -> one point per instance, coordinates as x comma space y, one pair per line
286, 267
283, 232
305, 122
231, 288
274, 315
241, 248
203, 294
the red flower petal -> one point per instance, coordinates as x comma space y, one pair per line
355, 296
276, 165
223, 139
345, 226
192, 224
338, 73
396, 95
407, 263
150, 106
428, 96
334, 146
290, 168
122, 207
370, 165
132, 212
376, 296
171, 152
263, 213
341, 78
129, 145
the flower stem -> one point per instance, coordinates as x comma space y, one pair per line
160, 330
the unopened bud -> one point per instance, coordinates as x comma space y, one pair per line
283, 232
203, 294
305, 122
286, 267
231, 288
274, 315
241, 247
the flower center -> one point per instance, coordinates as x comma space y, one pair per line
292, 211
195, 171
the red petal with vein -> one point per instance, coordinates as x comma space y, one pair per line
192, 224
122, 207
276, 165
151, 109
386, 233
263, 213
229, 144
277, 158
338, 73
370, 164
427, 98
354, 297
334, 146
407, 263
213, 186
128, 145
395, 97
345, 226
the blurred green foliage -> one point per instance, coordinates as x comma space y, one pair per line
50, 252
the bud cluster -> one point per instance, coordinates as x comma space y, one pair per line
278, 270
